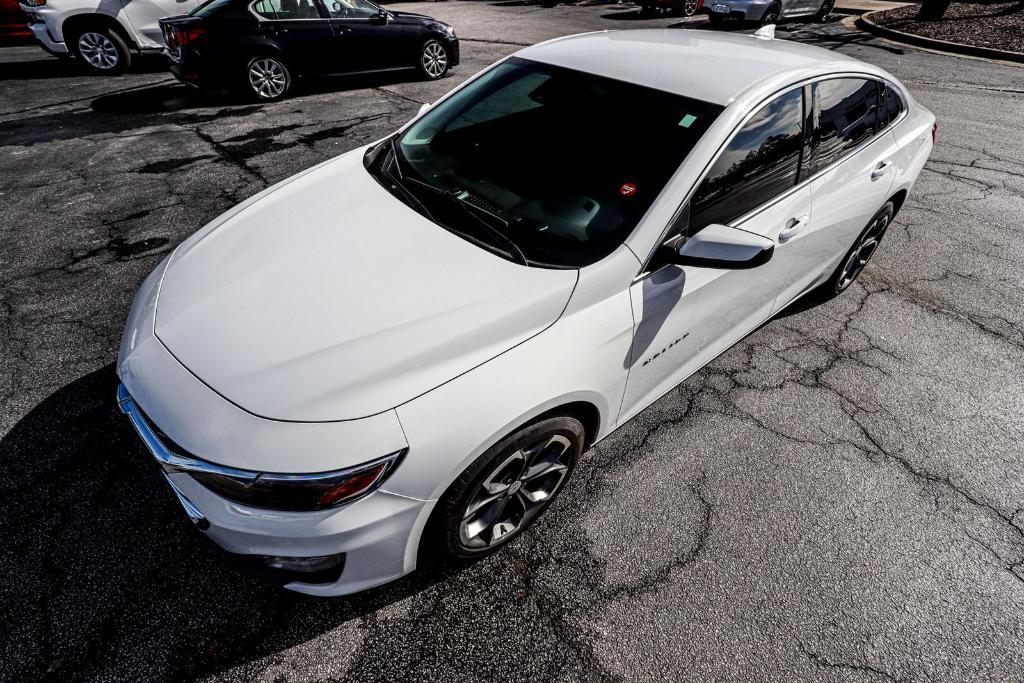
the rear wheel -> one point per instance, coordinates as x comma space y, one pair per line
505, 490
860, 253
267, 78
771, 15
102, 51
689, 8
433, 61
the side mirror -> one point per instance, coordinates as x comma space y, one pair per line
383, 16
719, 246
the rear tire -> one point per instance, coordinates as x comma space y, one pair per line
771, 14
688, 8
101, 50
860, 253
433, 60
503, 491
267, 79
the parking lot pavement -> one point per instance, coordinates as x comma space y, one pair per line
838, 497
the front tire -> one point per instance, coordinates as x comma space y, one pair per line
102, 51
433, 60
505, 490
860, 253
267, 79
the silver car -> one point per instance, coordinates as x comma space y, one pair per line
768, 11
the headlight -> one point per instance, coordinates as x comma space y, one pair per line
295, 492
450, 30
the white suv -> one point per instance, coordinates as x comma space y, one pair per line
102, 35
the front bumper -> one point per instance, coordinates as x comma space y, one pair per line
373, 536
379, 534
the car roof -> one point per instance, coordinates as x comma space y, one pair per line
705, 65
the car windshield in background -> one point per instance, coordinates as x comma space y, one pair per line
545, 165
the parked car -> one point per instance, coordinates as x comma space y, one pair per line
102, 36
766, 12
402, 353
686, 8
264, 45
13, 24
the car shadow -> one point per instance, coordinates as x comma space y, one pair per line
47, 67
98, 554
169, 97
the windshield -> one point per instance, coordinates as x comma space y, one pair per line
564, 164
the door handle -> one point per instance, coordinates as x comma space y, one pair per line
794, 226
279, 31
881, 169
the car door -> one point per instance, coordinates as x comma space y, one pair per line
686, 315
300, 30
145, 16
365, 37
854, 166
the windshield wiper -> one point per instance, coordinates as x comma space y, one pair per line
471, 211
395, 179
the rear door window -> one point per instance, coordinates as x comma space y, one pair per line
848, 110
286, 9
758, 164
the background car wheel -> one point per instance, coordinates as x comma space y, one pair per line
825, 10
268, 78
433, 61
860, 253
771, 15
688, 8
102, 51
505, 490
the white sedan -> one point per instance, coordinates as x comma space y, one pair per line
402, 353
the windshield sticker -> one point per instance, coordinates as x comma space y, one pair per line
627, 189
687, 120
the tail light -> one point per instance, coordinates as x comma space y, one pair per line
935, 131
183, 37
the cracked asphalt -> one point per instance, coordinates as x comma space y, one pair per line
840, 497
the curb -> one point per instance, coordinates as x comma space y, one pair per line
864, 22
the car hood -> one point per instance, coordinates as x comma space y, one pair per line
325, 298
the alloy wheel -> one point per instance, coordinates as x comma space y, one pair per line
515, 491
98, 50
434, 59
771, 15
689, 8
863, 251
268, 77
